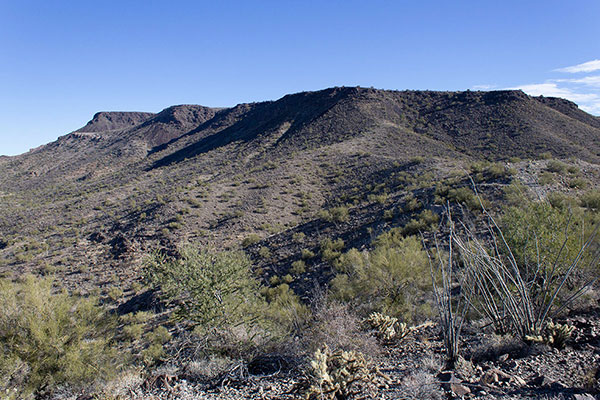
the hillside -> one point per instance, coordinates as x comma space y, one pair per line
297, 185
92, 203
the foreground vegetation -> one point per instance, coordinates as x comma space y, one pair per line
520, 273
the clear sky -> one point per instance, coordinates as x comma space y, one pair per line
62, 61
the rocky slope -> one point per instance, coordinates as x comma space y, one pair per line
90, 204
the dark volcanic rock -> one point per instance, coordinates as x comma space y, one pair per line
110, 120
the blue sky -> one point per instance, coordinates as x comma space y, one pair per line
62, 61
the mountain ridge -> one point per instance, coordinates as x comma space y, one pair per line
139, 181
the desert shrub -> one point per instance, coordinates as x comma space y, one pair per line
411, 203
498, 170
334, 324
464, 196
543, 236
578, 183
133, 331
140, 317
331, 250
556, 166
546, 178
160, 335
306, 254
515, 194
115, 293
251, 239
335, 214
208, 288
231, 312
527, 272
381, 198
298, 267
298, 237
389, 279
153, 353
50, 339
264, 252
591, 200
426, 221
285, 309
558, 200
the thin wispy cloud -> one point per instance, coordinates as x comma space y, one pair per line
588, 80
484, 87
589, 66
551, 89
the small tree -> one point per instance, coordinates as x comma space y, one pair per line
209, 289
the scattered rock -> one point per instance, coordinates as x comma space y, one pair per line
583, 396
539, 381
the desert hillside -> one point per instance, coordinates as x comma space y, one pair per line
310, 191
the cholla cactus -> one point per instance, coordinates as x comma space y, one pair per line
339, 374
388, 328
558, 334
385, 326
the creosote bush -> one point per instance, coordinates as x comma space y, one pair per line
50, 338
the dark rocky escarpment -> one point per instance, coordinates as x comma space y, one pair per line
111, 120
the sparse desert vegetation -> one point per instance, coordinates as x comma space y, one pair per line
309, 254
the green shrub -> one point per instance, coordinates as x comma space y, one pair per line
264, 252
547, 238
331, 249
160, 335
285, 309
426, 221
591, 200
306, 254
389, 279
210, 289
274, 280
336, 214
251, 239
140, 317
298, 237
388, 215
578, 183
411, 204
546, 178
298, 267
51, 339
115, 293
153, 353
556, 166
464, 196
134, 331
498, 170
